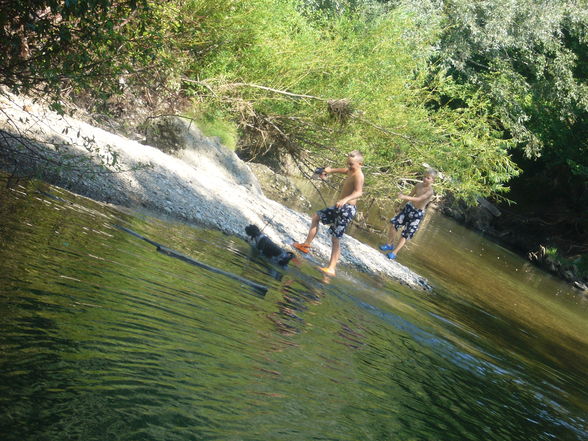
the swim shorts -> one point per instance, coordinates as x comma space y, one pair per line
338, 218
410, 217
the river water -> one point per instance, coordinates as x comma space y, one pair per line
104, 338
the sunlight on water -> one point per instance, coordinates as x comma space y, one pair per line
104, 338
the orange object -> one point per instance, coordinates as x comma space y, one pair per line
327, 272
301, 247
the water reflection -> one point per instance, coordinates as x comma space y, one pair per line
103, 338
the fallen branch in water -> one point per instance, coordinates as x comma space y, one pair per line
262, 289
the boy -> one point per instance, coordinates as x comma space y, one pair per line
340, 215
411, 215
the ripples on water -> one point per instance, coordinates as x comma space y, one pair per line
103, 338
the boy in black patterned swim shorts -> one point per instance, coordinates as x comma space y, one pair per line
411, 215
342, 213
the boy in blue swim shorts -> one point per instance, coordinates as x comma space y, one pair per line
342, 213
411, 215
338, 218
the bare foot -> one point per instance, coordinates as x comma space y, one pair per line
327, 271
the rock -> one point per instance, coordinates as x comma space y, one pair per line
165, 133
479, 217
490, 207
279, 188
568, 275
181, 137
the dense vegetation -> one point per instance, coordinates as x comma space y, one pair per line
480, 90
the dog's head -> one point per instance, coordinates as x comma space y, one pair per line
252, 231
286, 258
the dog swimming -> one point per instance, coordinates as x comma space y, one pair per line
266, 247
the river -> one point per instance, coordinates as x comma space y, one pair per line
104, 338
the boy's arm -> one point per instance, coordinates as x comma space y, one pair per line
420, 198
336, 170
355, 194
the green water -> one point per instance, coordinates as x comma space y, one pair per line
104, 338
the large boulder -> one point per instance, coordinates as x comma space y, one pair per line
479, 217
182, 138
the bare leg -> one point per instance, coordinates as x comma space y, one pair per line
335, 254
391, 235
313, 229
401, 243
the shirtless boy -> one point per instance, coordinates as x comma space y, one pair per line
411, 215
341, 214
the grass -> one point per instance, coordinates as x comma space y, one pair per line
215, 124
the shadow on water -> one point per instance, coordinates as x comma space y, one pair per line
104, 338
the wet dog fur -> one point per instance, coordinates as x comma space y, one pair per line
266, 247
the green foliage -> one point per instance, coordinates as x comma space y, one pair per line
314, 79
552, 252
99, 46
46, 42
214, 123
578, 264
529, 59
379, 65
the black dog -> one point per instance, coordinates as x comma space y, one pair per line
266, 247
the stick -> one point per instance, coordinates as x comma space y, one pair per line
262, 289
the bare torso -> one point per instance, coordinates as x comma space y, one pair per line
353, 182
421, 190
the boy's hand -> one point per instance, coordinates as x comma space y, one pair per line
321, 172
401, 196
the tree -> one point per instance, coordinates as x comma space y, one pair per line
529, 59
292, 76
45, 42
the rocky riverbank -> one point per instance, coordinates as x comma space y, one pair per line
515, 233
200, 182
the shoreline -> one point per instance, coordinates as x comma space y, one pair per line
203, 184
